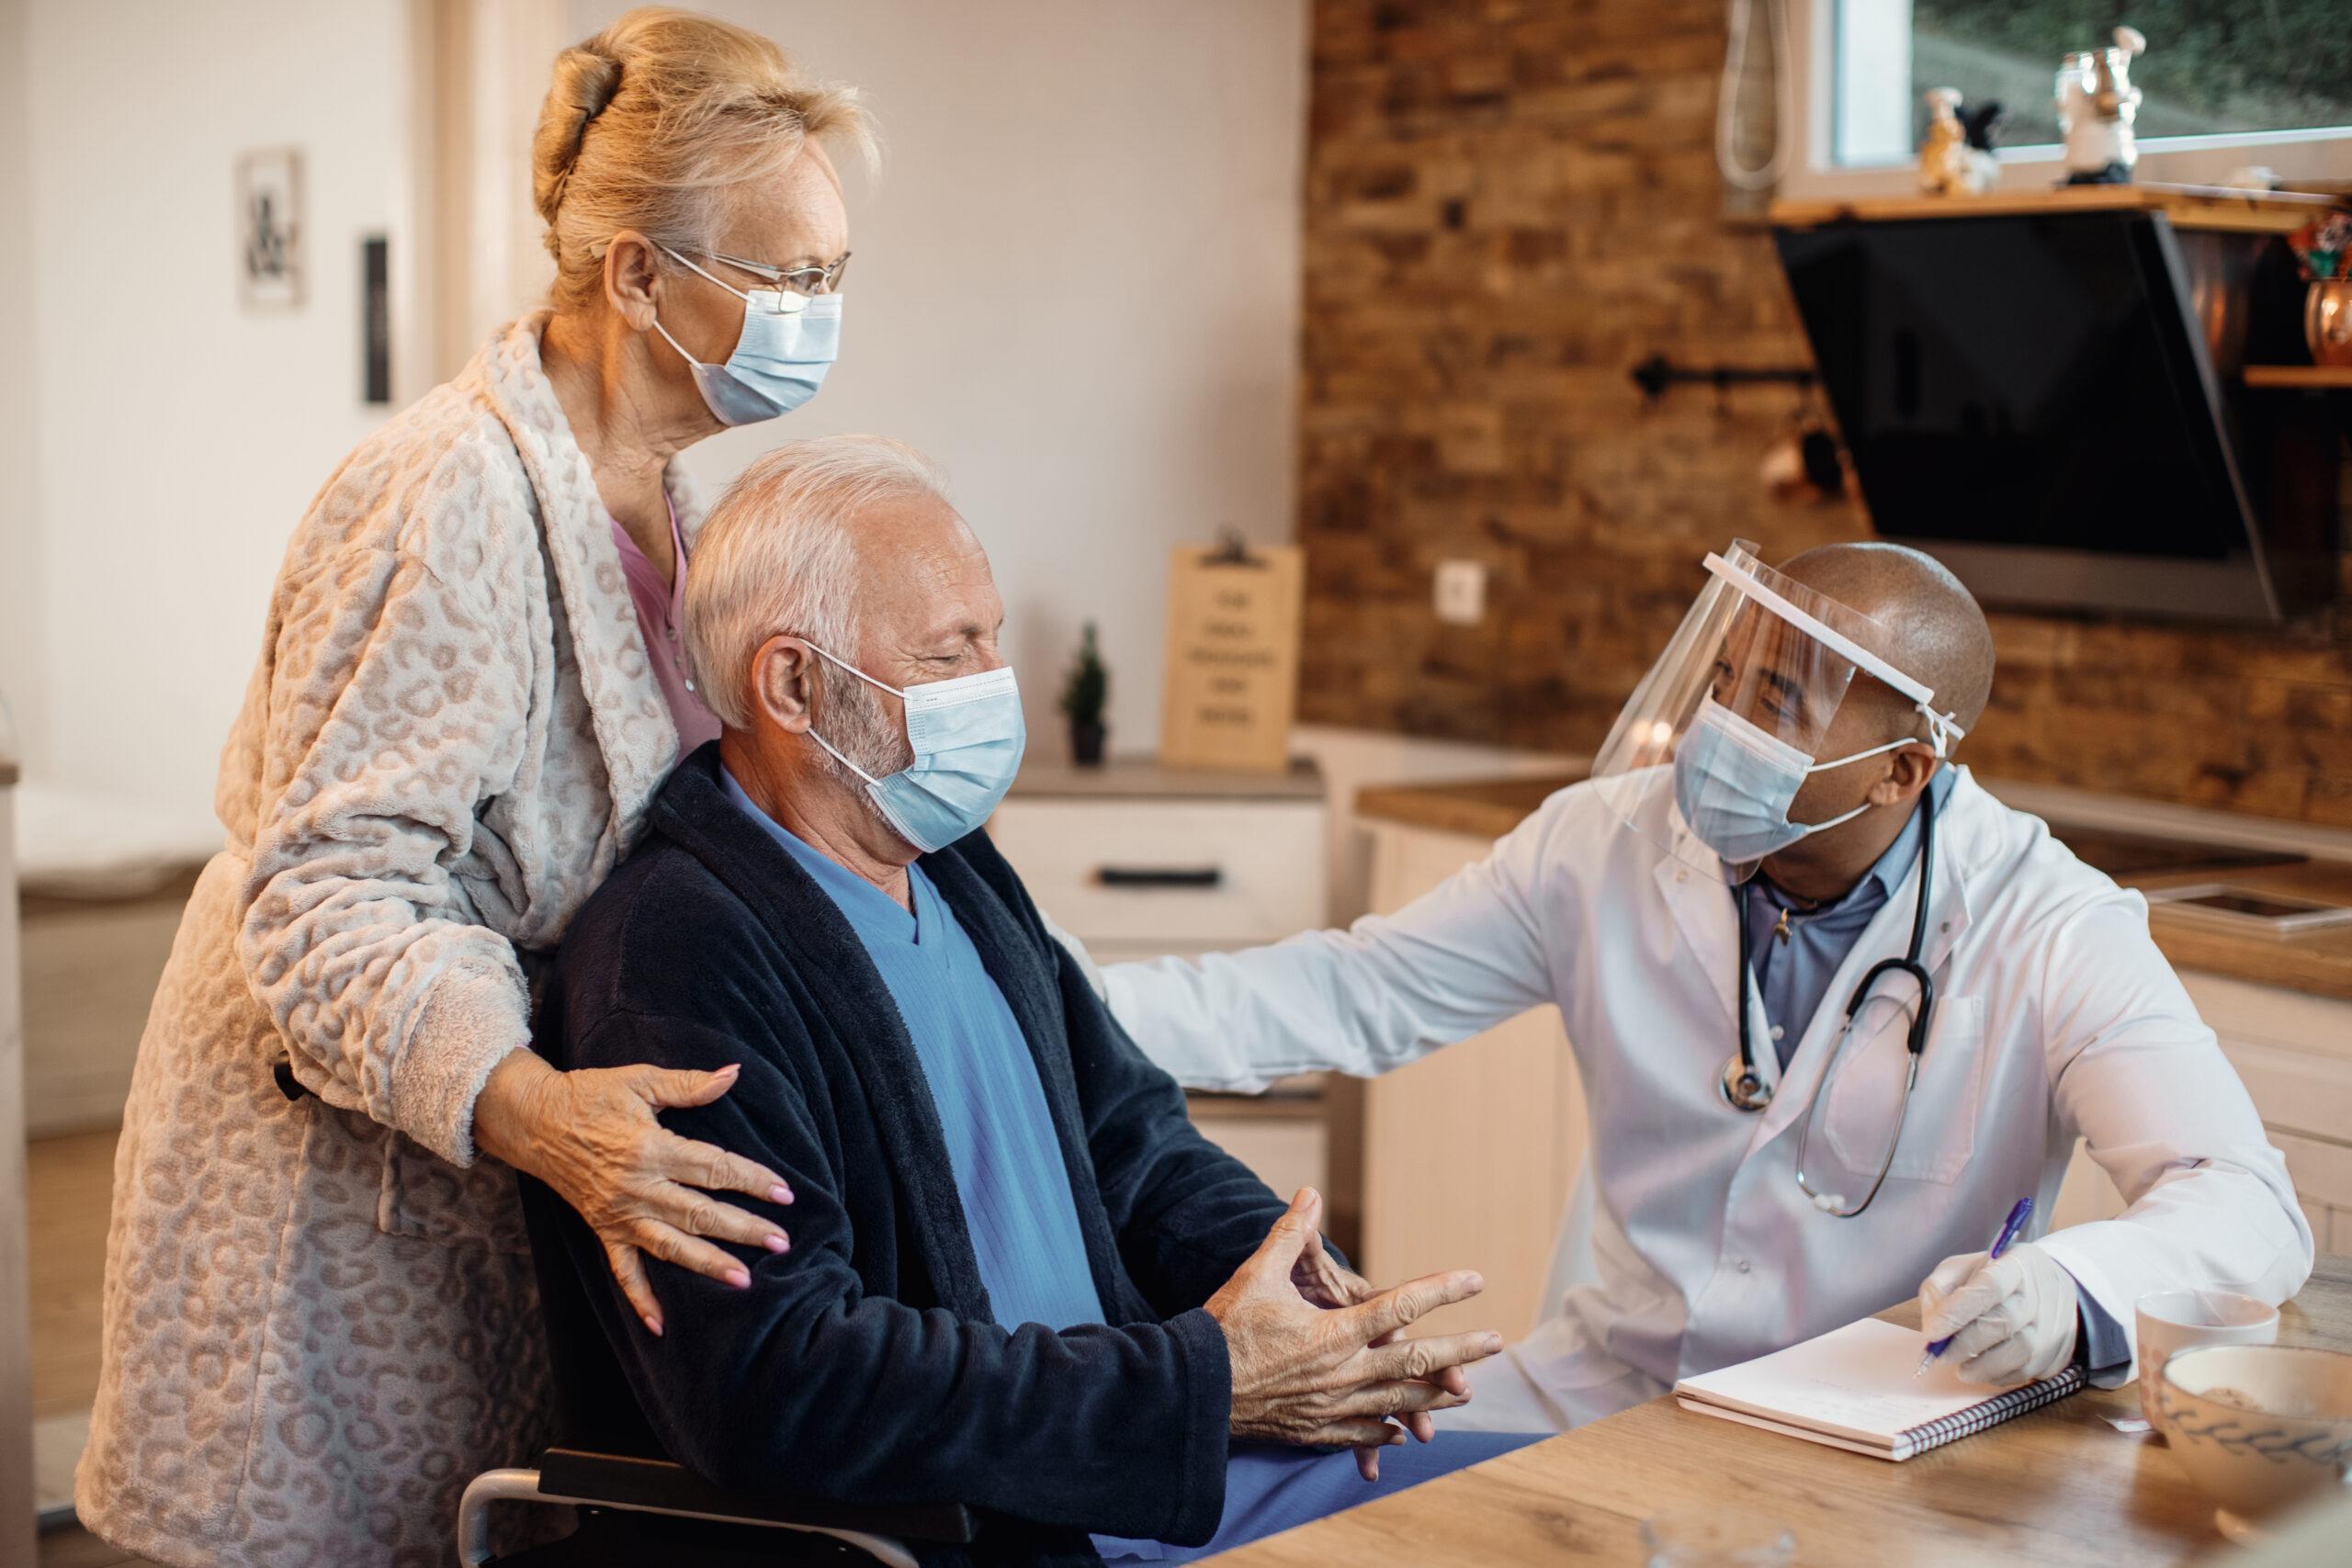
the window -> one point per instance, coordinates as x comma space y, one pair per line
2225, 83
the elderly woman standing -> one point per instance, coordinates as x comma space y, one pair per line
320, 1317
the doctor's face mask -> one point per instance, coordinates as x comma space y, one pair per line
1710, 753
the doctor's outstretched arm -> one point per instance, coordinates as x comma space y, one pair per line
1463, 957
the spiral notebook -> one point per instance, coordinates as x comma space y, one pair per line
1854, 1389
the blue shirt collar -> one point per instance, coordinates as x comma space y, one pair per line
1885, 874
867, 905
1889, 869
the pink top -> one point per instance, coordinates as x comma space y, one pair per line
661, 611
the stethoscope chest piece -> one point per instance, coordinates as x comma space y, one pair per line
1742, 1089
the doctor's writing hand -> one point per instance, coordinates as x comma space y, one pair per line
1328, 1283
2012, 1319
1327, 1378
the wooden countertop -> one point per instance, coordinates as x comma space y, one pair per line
2058, 1487
1134, 778
2317, 962
1482, 808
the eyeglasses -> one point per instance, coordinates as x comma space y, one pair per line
803, 280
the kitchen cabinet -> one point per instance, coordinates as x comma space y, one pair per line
1142, 862
2294, 1051
1467, 1155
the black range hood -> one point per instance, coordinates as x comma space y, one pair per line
2049, 402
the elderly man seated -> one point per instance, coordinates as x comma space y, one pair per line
1016, 1278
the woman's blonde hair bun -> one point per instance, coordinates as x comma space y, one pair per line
585, 83
645, 124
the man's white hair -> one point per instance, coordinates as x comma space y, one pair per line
778, 555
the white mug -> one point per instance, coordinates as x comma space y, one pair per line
2171, 1321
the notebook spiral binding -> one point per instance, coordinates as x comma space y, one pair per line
1993, 1411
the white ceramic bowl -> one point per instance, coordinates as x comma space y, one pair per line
2259, 1428
2173, 1321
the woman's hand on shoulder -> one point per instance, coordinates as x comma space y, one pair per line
593, 1136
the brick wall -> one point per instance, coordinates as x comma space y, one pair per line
1508, 204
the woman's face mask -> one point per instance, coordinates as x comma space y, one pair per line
966, 734
787, 344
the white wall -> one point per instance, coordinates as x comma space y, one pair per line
1076, 285
20, 554
176, 438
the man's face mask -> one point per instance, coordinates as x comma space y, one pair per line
1734, 780
966, 734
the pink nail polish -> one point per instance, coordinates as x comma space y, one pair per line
779, 1194
653, 1324
776, 1243
739, 1278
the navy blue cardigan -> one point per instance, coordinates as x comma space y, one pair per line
864, 1365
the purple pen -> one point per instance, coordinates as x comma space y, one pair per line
2010, 1229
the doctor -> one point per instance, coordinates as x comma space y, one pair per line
1835, 1009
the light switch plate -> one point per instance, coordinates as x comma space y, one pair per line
1460, 593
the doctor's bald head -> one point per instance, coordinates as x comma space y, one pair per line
1935, 631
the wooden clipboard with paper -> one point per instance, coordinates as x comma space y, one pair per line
1232, 673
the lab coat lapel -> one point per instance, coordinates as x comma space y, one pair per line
1887, 936
630, 717
1689, 881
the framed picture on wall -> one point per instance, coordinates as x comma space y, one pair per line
269, 229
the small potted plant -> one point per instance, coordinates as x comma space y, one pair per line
1084, 691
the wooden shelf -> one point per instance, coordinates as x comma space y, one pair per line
2188, 207
2310, 376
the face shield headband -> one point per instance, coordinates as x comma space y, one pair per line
1943, 729
1710, 751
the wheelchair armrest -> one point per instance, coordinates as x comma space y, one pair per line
623, 1481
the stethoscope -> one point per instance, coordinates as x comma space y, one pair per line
1745, 1090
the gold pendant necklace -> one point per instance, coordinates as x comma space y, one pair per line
1781, 929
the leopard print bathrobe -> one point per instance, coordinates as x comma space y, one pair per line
320, 1318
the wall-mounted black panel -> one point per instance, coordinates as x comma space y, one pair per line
2030, 397
375, 320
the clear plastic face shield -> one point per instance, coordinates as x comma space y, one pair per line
1732, 718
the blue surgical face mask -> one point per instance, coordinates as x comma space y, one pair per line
787, 344
967, 736
1734, 782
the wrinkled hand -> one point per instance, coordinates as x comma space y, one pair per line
593, 1137
1325, 1281
2012, 1319
1321, 1377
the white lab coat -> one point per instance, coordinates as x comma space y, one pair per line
1690, 1245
